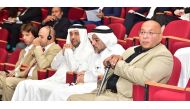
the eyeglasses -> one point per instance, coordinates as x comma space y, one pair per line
148, 33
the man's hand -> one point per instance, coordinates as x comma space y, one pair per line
100, 14
80, 77
131, 11
49, 18
36, 41
67, 46
112, 60
23, 67
179, 12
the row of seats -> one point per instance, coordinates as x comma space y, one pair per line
154, 91
175, 35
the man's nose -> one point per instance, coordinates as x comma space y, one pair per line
145, 35
72, 36
93, 42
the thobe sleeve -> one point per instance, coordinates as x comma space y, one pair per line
58, 59
92, 76
70, 60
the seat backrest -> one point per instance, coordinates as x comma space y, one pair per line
4, 14
123, 12
174, 78
179, 28
75, 13
89, 27
14, 56
4, 34
3, 56
118, 29
188, 83
135, 30
44, 13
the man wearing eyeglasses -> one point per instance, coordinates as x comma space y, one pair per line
150, 61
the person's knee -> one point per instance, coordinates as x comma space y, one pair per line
72, 97
10, 83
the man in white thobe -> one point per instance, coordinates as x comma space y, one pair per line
73, 57
183, 55
105, 44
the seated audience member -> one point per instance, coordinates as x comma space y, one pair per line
13, 26
106, 11
105, 44
72, 58
131, 18
183, 13
37, 58
29, 34
137, 65
58, 22
64, 9
163, 15
183, 55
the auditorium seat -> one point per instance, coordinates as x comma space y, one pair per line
118, 29
11, 61
75, 14
177, 28
89, 27
3, 38
141, 93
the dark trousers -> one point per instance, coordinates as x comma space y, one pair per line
14, 31
131, 20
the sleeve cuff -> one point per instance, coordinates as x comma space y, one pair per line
118, 67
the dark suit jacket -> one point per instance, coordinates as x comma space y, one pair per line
187, 10
32, 14
143, 10
162, 9
61, 27
112, 11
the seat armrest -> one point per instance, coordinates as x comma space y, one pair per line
164, 92
9, 66
71, 77
50, 72
42, 74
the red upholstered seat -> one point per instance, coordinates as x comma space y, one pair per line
118, 29
60, 41
174, 78
89, 27
3, 38
138, 91
10, 64
3, 56
44, 13
134, 33
163, 94
75, 13
177, 28
135, 30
